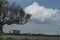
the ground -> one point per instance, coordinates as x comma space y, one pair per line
18, 37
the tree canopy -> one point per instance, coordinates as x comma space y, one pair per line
13, 13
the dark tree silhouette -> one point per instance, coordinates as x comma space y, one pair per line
12, 14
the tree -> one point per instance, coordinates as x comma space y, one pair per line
12, 14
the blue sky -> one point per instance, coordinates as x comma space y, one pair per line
45, 17
47, 3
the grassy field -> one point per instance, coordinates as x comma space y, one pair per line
16, 37
29, 37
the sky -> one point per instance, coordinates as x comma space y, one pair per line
47, 3
45, 17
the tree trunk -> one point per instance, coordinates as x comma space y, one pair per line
1, 28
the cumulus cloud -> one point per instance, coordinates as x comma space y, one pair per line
42, 13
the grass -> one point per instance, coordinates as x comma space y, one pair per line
7, 36
31, 35
25, 39
10, 38
1, 38
37, 39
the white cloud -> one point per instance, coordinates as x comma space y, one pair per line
41, 13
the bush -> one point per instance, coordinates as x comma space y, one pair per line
9, 38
